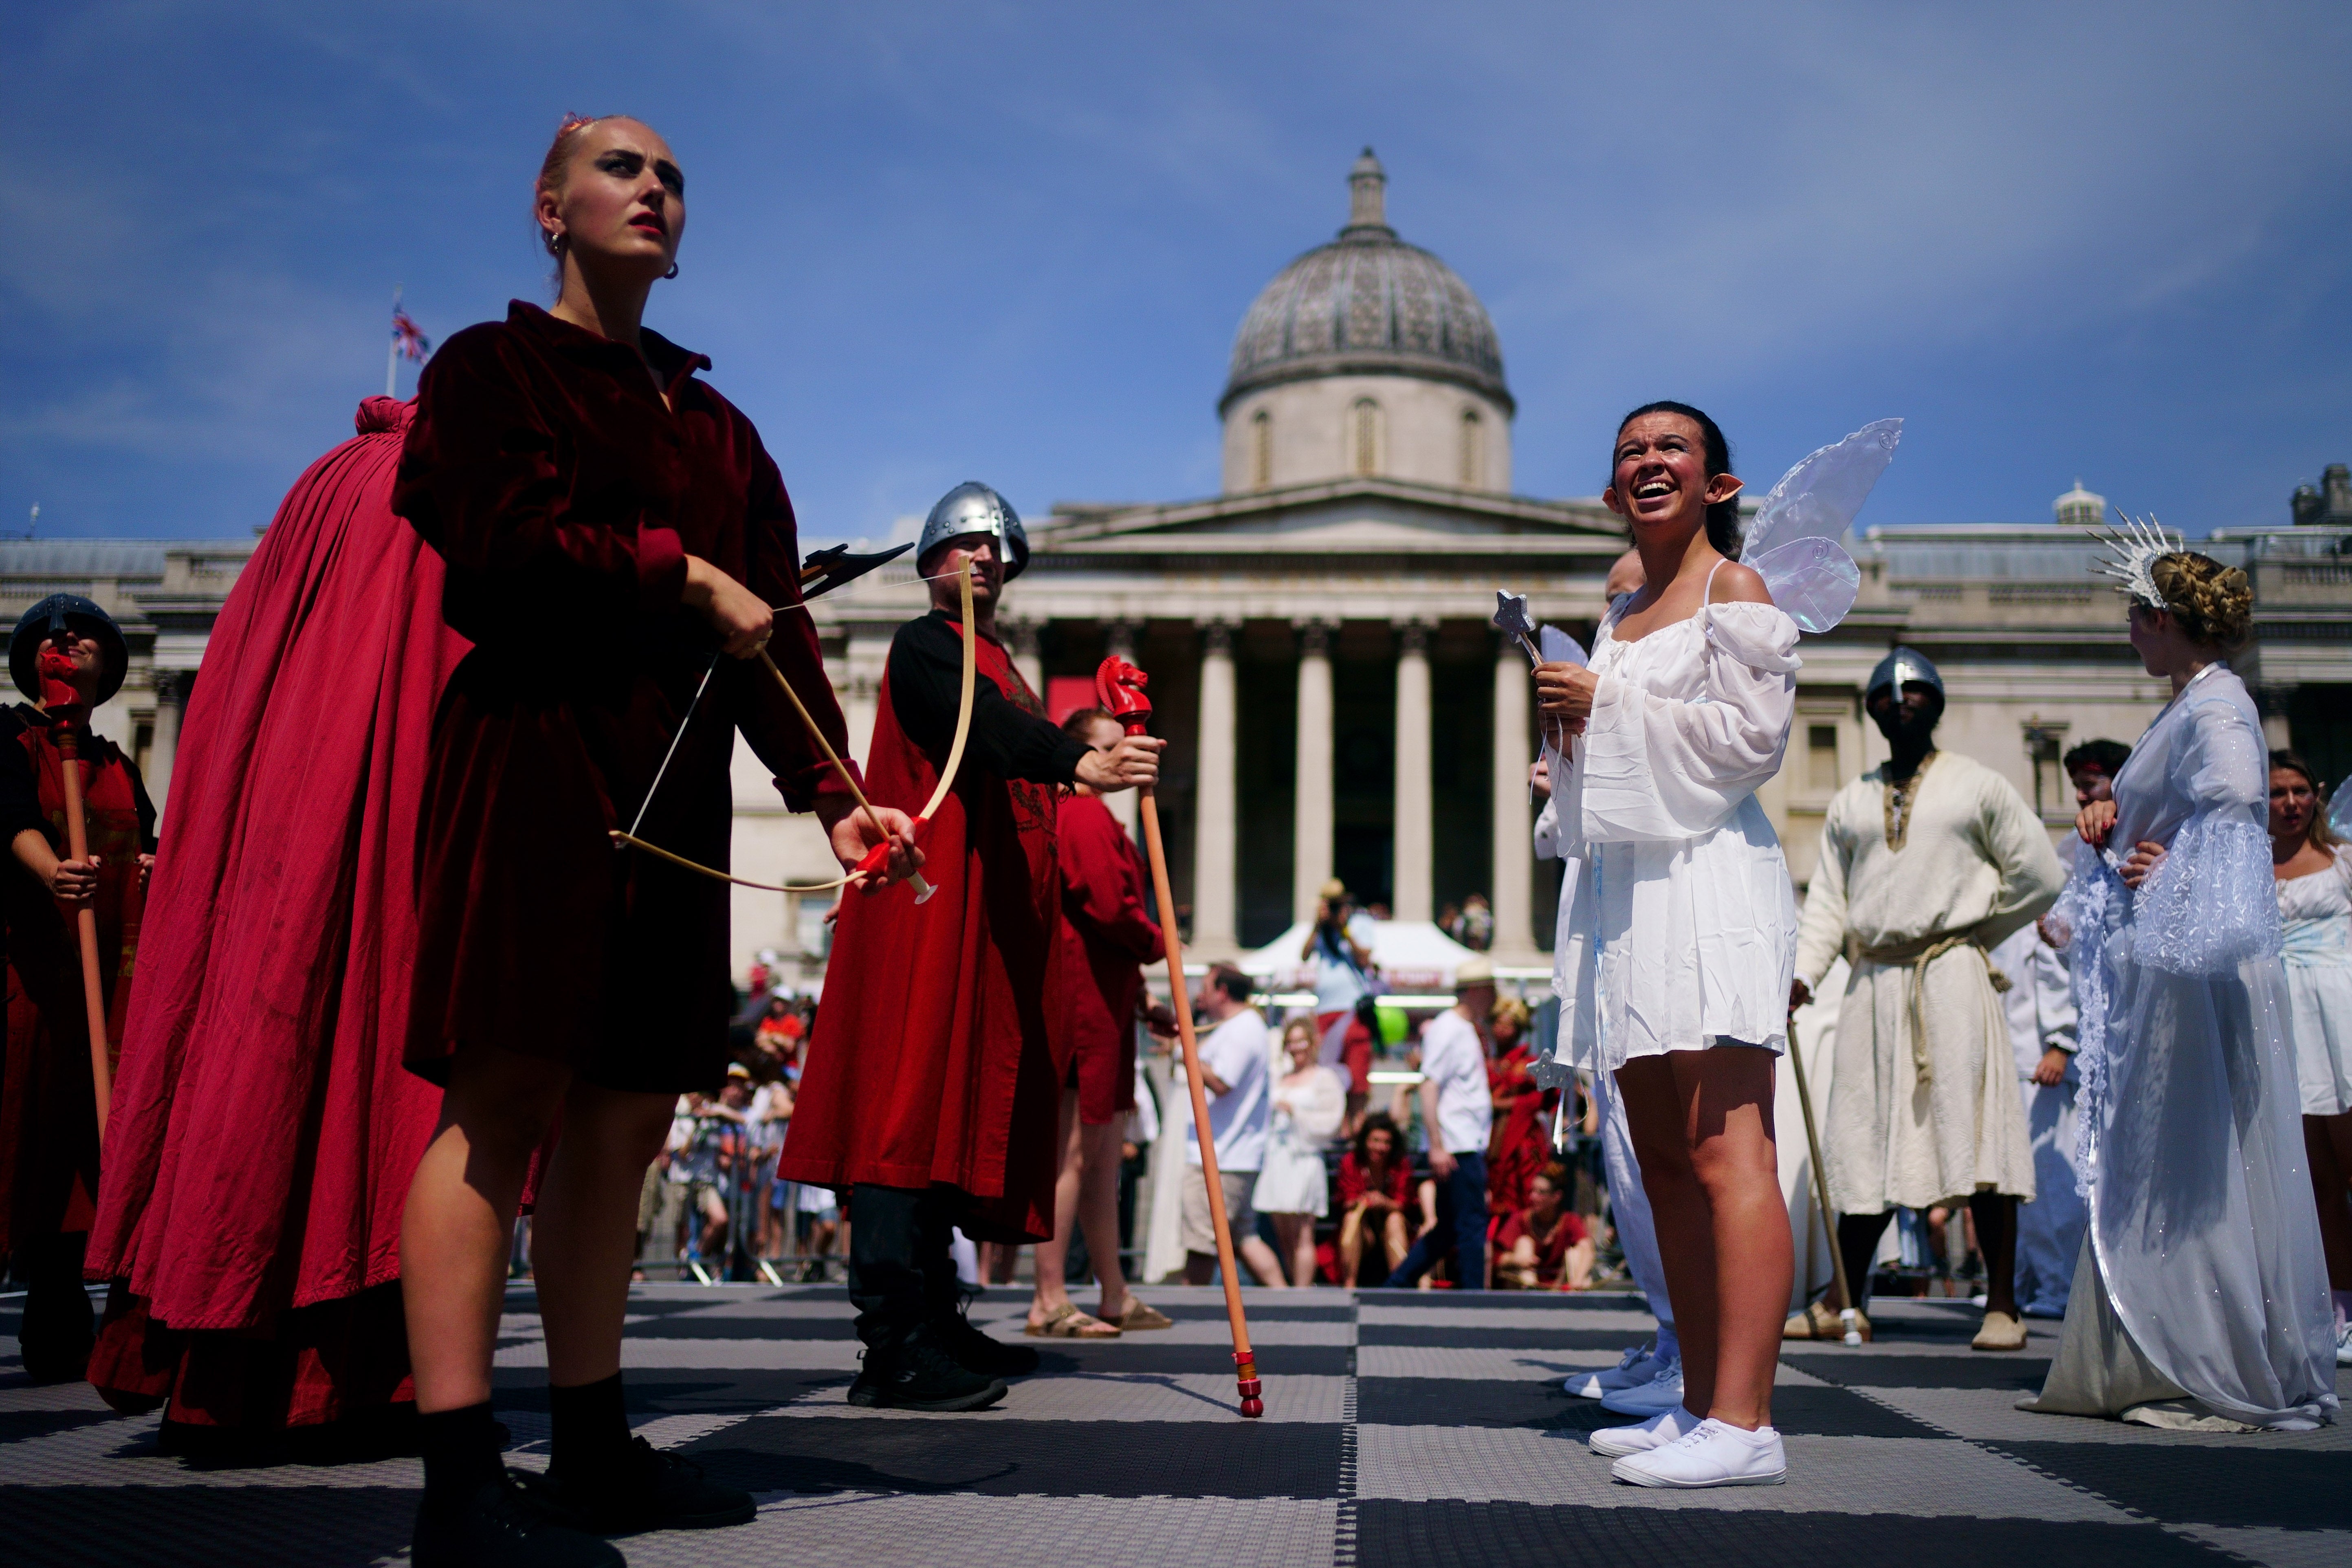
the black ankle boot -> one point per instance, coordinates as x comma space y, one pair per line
60, 1328
979, 1352
915, 1371
497, 1525
645, 1489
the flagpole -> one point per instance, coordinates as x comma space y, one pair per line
391, 351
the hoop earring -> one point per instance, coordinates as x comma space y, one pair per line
673, 270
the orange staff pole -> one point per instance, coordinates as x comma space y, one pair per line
1120, 686
102, 1074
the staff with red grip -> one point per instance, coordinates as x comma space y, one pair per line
1118, 687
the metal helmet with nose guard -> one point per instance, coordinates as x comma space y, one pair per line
972, 507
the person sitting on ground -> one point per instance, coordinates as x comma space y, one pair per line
1375, 1186
1544, 1246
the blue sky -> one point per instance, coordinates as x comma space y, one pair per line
933, 242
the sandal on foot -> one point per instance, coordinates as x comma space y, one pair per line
1066, 1322
1140, 1315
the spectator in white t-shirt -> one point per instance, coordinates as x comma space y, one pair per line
1458, 1111
1234, 1077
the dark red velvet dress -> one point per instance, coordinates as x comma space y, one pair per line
1521, 1141
934, 1061
263, 1132
565, 498
1105, 938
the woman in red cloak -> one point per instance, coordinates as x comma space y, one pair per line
933, 1082
1520, 1144
611, 525
256, 1278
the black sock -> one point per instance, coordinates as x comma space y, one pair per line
590, 1427
461, 1451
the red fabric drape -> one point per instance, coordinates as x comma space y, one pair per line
264, 1130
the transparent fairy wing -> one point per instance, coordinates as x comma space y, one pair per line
1818, 498
1558, 647
2339, 815
1812, 581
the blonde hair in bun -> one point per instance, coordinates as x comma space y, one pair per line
2212, 603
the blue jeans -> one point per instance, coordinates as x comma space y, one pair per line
1461, 1228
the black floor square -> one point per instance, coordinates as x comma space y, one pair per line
1543, 1406
1566, 1337
993, 1455
1140, 1353
1546, 1300
1863, 1368
2204, 1483
295, 1527
1514, 1535
670, 1391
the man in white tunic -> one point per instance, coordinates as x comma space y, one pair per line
1926, 863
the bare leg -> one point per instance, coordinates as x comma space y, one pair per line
1098, 1216
1260, 1261
1701, 1126
1352, 1246
1053, 1291
459, 1221
1293, 1244
2328, 1140
1396, 1239
580, 1245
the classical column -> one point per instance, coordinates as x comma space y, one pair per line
171, 697
1216, 822
1119, 640
865, 656
1514, 851
1311, 864
1416, 846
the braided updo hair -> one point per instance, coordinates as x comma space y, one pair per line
2211, 603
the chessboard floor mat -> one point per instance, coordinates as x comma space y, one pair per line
1420, 1429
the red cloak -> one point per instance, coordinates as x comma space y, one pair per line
1521, 1143
933, 1061
263, 1132
1105, 938
49, 1113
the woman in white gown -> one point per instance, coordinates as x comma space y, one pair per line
1676, 954
2314, 868
1294, 1189
2201, 1299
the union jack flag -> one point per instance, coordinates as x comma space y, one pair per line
411, 342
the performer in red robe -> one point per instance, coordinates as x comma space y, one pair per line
615, 535
257, 1279
1105, 937
934, 1078
48, 1105
1520, 1144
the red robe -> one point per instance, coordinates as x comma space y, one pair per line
1105, 937
934, 1061
1521, 1143
263, 1130
48, 1112
565, 498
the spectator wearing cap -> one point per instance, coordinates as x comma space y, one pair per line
1458, 1110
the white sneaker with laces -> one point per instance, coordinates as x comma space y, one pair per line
1710, 1455
1663, 1392
1615, 1442
2342, 1344
1634, 1368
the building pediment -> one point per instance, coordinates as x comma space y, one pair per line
1389, 516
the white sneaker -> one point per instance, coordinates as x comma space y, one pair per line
1710, 1455
1636, 1367
2343, 1345
1613, 1442
1663, 1392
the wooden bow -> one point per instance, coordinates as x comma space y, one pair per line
875, 858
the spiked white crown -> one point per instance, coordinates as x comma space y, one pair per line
2134, 547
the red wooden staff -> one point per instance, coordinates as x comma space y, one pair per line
1119, 686
62, 702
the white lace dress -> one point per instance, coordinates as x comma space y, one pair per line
2315, 938
2204, 1276
1680, 924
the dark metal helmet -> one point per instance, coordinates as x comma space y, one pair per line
1900, 667
972, 507
35, 626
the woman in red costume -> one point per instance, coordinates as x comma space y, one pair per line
934, 1078
1106, 939
256, 1290
610, 526
1520, 1144
68, 656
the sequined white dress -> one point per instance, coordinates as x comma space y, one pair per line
2316, 942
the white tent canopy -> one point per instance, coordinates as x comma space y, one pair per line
1410, 955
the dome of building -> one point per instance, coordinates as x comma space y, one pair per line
1367, 303
2080, 507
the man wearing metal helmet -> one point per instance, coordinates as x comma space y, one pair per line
68, 656
933, 1082
1926, 863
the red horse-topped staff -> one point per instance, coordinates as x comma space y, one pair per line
61, 701
1119, 686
